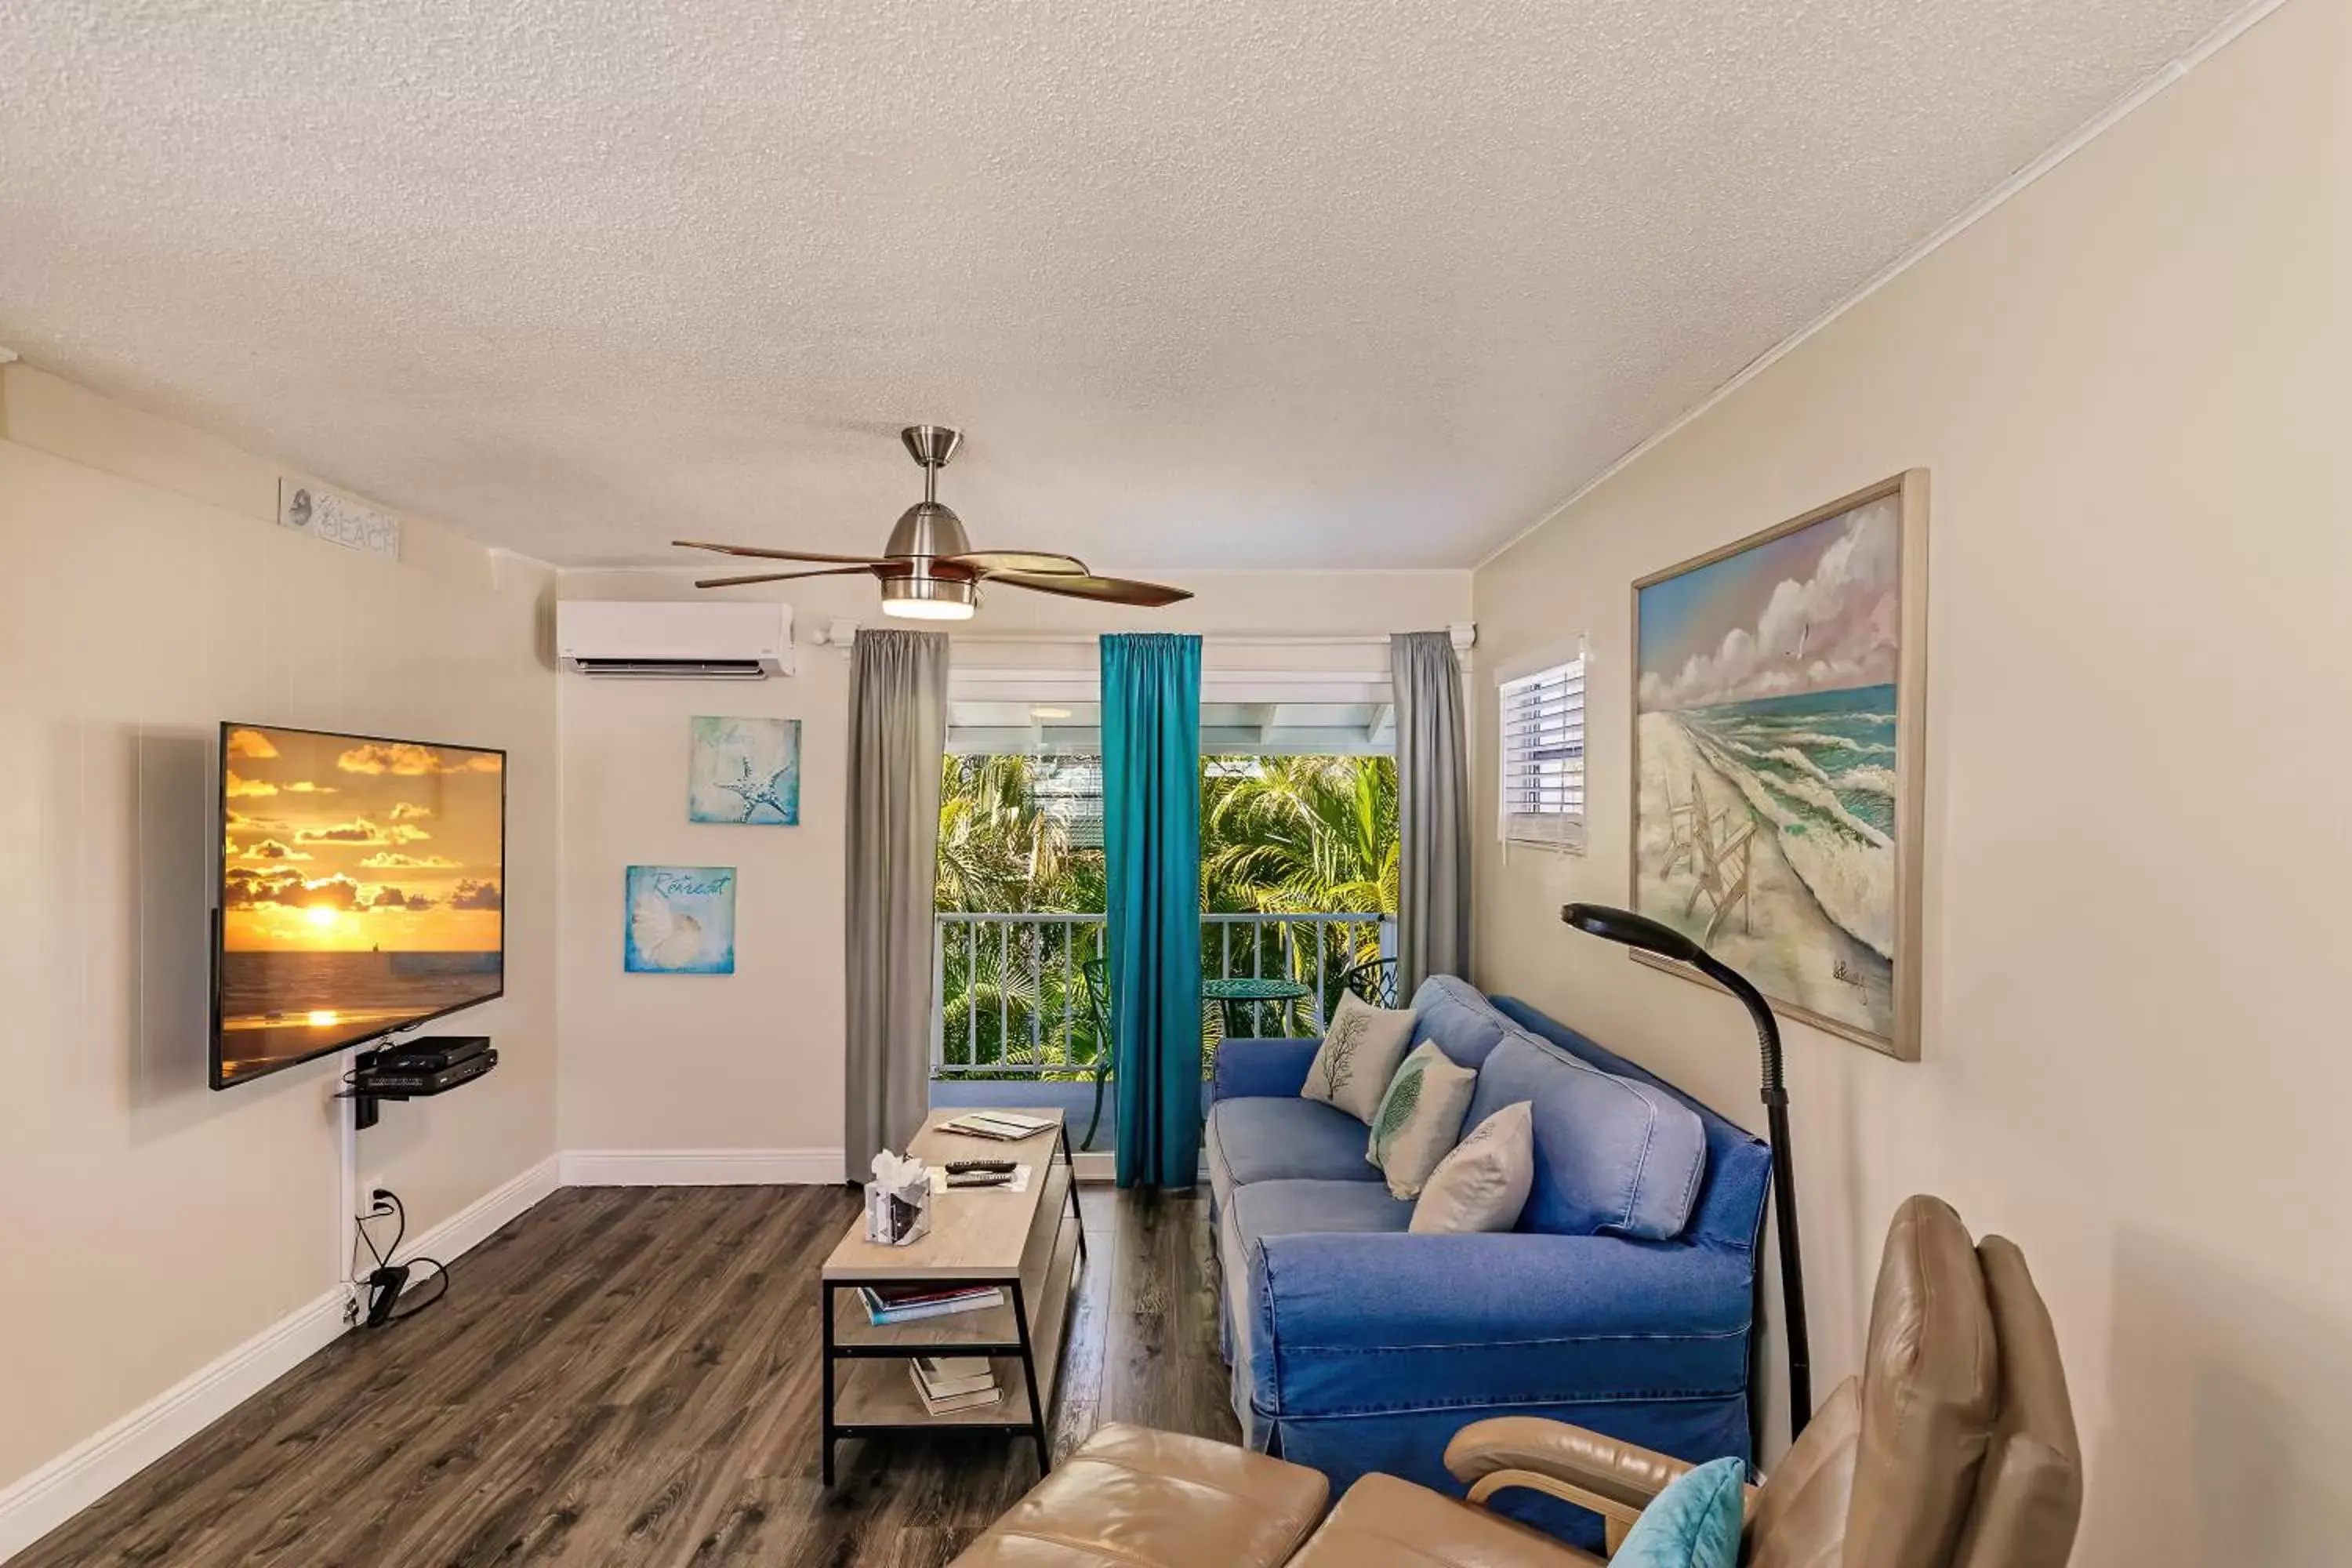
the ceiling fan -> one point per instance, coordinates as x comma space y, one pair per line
930, 571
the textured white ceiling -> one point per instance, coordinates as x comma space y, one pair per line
1210, 282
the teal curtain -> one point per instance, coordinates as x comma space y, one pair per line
1152, 840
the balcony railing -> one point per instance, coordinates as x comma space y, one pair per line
1010, 999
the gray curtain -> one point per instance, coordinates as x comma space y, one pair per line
897, 732
1433, 810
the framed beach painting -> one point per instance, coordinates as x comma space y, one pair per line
1777, 758
743, 771
680, 920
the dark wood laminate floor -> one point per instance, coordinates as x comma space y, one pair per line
629, 1376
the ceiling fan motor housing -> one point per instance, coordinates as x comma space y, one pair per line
927, 530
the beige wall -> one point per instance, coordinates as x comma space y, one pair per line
753, 1060
146, 592
148, 1225
2132, 386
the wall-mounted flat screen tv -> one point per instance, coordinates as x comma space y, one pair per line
362, 891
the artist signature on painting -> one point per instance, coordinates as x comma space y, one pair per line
1847, 974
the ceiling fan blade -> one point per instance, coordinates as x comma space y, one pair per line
1114, 590
779, 554
1037, 562
780, 576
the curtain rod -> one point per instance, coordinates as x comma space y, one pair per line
839, 630
1088, 639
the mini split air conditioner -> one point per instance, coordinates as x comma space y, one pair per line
633, 640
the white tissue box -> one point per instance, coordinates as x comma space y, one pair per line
898, 1211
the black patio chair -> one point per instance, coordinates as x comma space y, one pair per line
1373, 980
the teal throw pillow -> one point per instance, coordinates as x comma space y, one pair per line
1695, 1523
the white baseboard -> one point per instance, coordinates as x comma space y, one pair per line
480, 1220
1094, 1166
35, 1504
702, 1167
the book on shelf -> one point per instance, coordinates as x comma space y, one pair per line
945, 1377
913, 1304
970, 1396
1003, 1126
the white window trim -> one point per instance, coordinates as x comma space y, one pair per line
1560, 830
1270, 687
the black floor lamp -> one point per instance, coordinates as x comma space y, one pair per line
1639, 931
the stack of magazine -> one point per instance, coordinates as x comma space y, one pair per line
946, 1382
913, 1304
1002, 1126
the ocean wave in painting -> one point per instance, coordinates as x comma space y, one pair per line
1809, 765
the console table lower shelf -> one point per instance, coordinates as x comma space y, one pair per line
1031, 1245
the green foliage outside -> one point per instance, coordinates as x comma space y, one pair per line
1278, 835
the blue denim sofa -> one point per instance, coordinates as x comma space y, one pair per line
1622, 1302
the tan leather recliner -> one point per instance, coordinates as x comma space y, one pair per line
1954, 1448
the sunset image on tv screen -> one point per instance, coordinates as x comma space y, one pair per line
363, 888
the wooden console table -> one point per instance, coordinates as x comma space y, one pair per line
1030, 1244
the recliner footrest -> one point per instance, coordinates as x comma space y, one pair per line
1130, 1498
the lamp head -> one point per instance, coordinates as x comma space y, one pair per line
1625, 927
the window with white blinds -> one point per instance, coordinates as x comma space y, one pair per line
1543, 757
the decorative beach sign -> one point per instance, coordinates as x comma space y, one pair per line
681, 919
1776, 739
744, 771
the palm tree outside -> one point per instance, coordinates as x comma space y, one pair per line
1021, 835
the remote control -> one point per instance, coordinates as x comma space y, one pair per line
963, 1167
981, 1179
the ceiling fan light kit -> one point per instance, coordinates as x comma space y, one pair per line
930, 571
916, 598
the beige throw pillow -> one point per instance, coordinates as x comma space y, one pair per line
1482, 1185
1419, 1118
1359, 1056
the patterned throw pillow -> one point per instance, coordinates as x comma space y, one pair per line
1484, 1184
1693, 1523
1359, 1056
1419, 1118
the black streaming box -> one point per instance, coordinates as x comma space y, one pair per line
429, 1053
380, 1080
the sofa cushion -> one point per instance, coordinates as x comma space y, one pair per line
1272, 1140
1693, 1523
1729, 1210
1463, 1024
1419, 1118
1611, 1155
1250, 1215
1359, 1056
1482, 1185
1314, 1208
